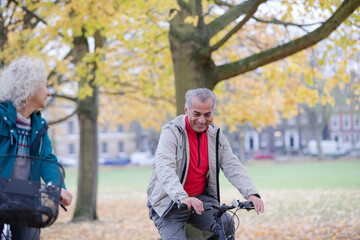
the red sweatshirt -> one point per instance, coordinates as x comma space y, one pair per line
199, 161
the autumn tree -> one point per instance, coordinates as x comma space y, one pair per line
198, 30
93, 48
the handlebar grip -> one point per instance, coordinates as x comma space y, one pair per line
207, 206
243, 205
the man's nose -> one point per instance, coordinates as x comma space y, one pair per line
201, 119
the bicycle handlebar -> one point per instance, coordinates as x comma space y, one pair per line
235, 204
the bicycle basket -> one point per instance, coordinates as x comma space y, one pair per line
30, 203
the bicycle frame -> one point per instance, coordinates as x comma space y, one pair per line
219, 232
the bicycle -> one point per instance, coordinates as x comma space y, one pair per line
29, 203
219, 232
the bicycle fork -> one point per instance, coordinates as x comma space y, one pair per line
5, 232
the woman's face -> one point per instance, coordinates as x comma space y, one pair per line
40, 96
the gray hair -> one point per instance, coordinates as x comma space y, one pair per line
21, 79
203, 95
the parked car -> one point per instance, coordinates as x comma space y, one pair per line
329, 148
120, 159
142, 158
263, 154
68, 162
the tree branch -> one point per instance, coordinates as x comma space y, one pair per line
53, 71
233, 13
123, 93
64, 118
29, 12
245, 65
249, 13
276, 21
65, 97
223, 3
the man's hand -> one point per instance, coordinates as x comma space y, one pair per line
66, 197
258, 203
195, 203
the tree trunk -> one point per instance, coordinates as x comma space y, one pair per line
88, 164
192, 70
317, 129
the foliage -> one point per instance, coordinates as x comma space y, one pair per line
230, 38
135, 63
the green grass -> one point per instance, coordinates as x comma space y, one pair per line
311, 175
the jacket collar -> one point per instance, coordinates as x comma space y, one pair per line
35, 116
11, 112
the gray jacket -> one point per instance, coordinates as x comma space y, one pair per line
172, 161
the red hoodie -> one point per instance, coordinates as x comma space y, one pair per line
199, 161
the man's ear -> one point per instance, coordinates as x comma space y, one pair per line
185, 110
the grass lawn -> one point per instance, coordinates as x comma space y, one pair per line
344, 174
309, 200
331, 174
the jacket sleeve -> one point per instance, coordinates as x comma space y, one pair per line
167, 169
234, 170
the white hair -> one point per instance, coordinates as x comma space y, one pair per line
21, 79
203, 94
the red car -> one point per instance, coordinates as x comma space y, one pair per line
262, 154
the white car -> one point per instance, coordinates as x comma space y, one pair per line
68, 162
142, 159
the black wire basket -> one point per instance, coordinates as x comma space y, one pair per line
30, 203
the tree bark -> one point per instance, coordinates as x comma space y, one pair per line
88, 164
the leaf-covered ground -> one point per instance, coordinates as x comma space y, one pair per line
289, 214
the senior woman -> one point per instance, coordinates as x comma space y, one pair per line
23, 132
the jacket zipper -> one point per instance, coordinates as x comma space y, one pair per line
198, 138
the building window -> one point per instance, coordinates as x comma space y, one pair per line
336, 138
356, 121
292, 141
304, 119
346, 122
251, 143
120, 127
121, 147
104, 147
319, 119
357, 137
291, 121
71, 128
335, 122
71, 149
347, 137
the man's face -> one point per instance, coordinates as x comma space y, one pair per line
200, 114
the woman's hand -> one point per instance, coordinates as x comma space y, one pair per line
66, 197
